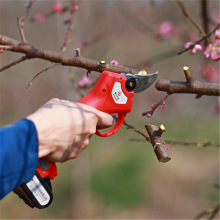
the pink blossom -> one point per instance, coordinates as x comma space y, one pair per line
84, 82
114, 62
162, 106
198, 96
148, 115
39, 18
211, 73
217, 34
164, 30
213, 50
194, 48
75, 7
1, 50
153, 105
57, 7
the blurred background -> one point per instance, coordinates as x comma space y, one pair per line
115, 178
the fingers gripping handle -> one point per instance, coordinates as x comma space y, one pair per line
121, 117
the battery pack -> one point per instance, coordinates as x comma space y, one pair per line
38, 191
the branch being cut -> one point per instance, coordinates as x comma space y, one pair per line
189, 86
56, 57
194, 87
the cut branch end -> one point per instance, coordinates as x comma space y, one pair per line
187, 74
78, 52
161, 130
158, 143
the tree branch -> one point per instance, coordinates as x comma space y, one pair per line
194, 87
56, 57
158, 143
155, 138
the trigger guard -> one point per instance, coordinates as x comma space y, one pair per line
121, 117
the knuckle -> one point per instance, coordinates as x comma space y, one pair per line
92, 124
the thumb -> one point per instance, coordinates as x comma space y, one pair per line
104, 120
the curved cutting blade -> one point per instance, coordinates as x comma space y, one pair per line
142, 81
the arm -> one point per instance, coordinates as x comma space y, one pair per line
18, 155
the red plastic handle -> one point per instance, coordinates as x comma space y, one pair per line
118, 124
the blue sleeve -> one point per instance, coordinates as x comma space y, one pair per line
18, 155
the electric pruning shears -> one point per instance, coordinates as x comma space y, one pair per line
112, 93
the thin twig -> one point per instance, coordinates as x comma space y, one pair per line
14, 63
6, 47
197, 144
181, 143
69, 29
155, 106
195, 24
21, 19
131, 127
214, 212
210, 213
63, 48
30, 83
200, 40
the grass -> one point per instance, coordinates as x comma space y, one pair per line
119, 181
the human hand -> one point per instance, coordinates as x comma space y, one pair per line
64, 128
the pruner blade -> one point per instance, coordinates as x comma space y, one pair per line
141, 82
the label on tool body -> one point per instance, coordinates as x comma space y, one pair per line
118, 95
38, 191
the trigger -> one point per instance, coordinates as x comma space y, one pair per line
120, 120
